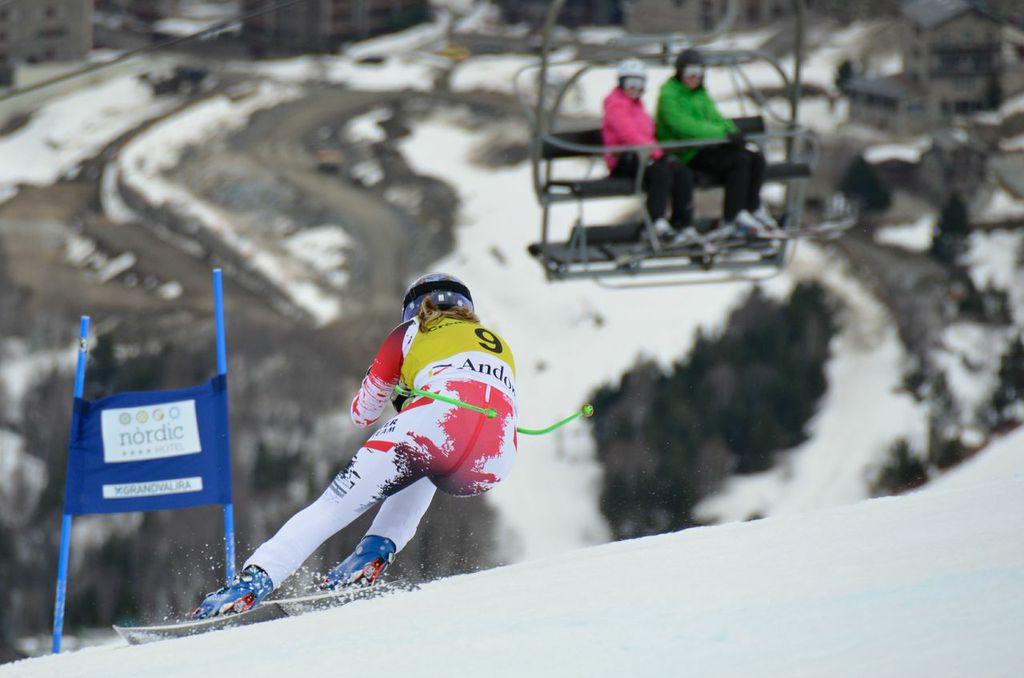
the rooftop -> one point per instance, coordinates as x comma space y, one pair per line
888, 87
932, 13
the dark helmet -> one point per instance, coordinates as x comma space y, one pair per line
688, 57
445, 290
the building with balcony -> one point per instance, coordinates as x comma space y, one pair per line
324, 25
701, 16
952, 65
37, 31
574, 12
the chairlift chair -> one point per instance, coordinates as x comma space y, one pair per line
631, 249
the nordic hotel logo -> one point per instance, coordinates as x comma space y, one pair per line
150, 432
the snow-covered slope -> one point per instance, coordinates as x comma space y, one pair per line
923, 585
1003, 458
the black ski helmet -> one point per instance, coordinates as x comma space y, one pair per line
445, 290
688, 57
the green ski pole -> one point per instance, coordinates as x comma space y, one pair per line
489, 412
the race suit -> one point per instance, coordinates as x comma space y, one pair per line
428, 445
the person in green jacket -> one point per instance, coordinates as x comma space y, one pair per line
687, 112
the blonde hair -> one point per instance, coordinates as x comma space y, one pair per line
429, 312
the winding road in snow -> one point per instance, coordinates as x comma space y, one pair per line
379, 269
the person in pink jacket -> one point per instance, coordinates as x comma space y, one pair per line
626, 123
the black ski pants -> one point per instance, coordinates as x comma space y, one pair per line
664, 178
737, 168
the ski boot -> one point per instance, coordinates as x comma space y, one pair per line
245, 592
364, 566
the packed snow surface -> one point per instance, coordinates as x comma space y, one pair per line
928, 584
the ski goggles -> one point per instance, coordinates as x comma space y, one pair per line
633, 82
693, 71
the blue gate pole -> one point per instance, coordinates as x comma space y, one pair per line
65, 526
222, 368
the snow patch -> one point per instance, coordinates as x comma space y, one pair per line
116, 266
1001, 206
170, 290
73, 128
366, 128
410, 40
325, 248
22, 480
992, 259
1012, 144
916, 236
910, 152
970, 357
21, 367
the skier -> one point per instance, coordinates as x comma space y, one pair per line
440, 347
626, 123
686, 112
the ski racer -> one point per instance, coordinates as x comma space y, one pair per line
439, 347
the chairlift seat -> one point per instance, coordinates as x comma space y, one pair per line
785, 171
629, 232
606, 187
611, 186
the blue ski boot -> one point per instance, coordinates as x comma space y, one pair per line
364, 566
245, 592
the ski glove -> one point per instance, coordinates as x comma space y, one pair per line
398, 400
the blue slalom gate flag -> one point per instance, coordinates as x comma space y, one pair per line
150, 450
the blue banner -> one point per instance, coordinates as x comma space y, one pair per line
150, 450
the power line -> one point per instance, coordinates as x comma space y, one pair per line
14, 93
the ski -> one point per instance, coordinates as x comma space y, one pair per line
298, 605
269, 610
139, 635
828, 230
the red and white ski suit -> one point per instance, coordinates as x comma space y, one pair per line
428, 445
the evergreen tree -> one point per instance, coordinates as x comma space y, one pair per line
667, 440
101, 368
863, 186
272, 468
950, 240
902, 471
944, 447
843, 74
1005, 403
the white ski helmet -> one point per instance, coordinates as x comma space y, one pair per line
632, 68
